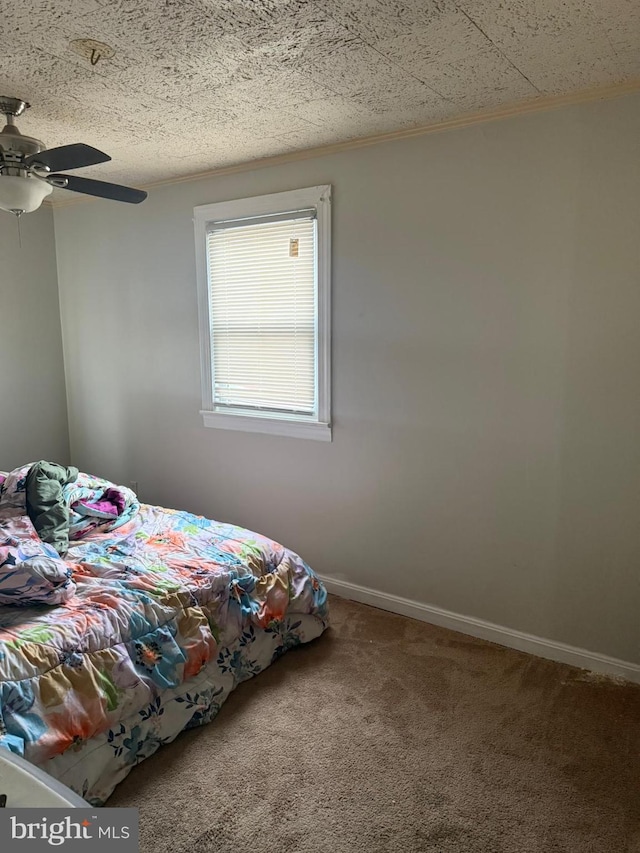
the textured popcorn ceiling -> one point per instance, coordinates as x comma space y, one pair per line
200, 84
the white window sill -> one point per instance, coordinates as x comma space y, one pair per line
268, 425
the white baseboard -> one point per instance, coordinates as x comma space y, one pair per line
549, 649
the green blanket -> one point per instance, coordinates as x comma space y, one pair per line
47, 510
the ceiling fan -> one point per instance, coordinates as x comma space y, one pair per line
29, 171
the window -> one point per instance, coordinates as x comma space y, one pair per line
263, 270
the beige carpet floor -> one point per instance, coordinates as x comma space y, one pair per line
388, 735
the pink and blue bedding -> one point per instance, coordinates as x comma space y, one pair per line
139, 631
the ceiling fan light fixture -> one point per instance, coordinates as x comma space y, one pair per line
22, 193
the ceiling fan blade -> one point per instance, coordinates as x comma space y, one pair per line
68, 157
102, 189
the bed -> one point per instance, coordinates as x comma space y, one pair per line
166, 612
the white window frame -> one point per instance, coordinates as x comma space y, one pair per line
272, 423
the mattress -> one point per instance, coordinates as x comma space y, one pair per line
171, 612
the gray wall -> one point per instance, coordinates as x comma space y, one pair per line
486, 355
33, 409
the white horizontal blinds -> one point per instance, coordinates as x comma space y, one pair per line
262, 287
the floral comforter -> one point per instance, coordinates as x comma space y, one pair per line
171, 611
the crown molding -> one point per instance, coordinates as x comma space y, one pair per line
525, 107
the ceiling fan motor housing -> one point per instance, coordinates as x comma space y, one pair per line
15, 144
